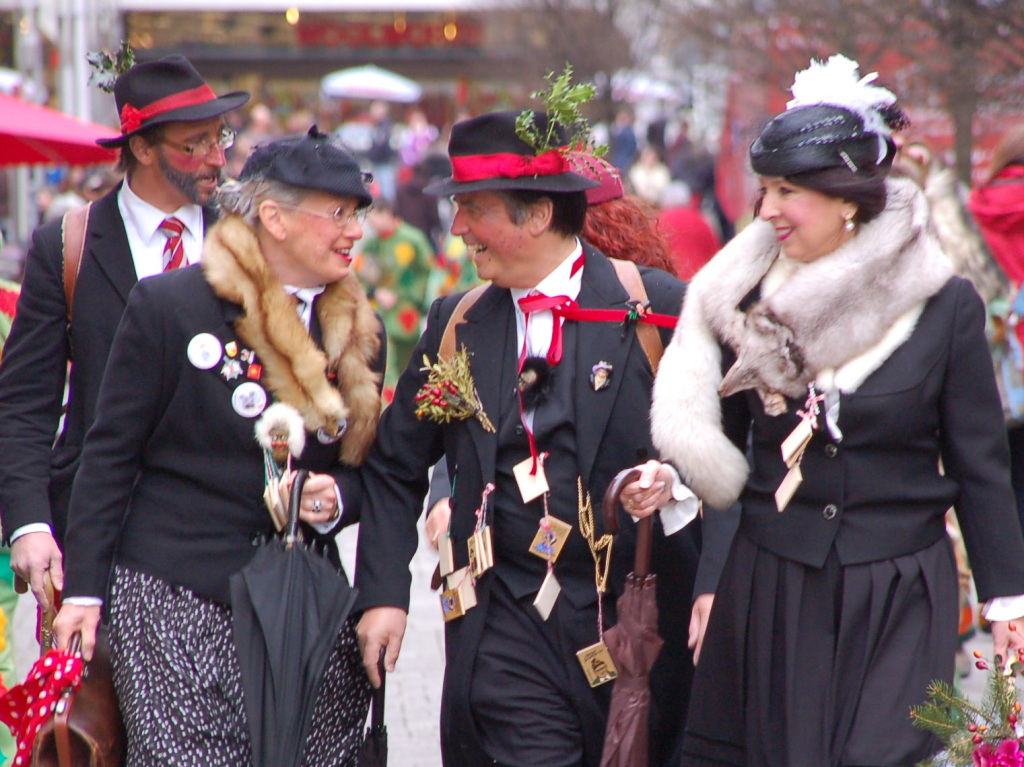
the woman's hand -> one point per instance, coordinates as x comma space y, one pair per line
319, 502
649, 493
72, 618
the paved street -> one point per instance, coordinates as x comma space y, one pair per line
413, 700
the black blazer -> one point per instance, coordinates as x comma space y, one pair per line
36, 472
171, 482
613, 435
878, 493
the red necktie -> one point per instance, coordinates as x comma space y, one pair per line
174, 250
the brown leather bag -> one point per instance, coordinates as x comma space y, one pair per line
86, 729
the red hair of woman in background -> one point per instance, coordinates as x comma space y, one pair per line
618, 225
998, 205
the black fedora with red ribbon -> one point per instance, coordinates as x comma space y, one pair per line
486, 155
163, 91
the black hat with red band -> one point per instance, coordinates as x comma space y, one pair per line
163, 91
487, 155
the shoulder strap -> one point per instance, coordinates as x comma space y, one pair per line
447, 349
648, 336
73, 227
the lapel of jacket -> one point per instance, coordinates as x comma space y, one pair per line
598, 342
488, 333
107, 244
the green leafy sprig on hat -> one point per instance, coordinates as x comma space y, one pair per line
563, 102
107, 67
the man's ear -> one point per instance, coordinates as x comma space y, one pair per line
269, 213
145, 153
541, 213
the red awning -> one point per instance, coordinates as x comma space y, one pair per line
33, 135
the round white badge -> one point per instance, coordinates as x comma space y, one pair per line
249, 399
204, 351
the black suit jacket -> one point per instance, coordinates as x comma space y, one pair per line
878, 493
612, 434
37, 472
171, 482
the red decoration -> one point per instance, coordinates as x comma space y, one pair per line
132, 118
27, 707
478, 167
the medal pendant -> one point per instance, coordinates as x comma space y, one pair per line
447, 554
597, 664
788, 487
794, 445
550, 538
272, 497
533, 485
460, 595
481, 555
548, 594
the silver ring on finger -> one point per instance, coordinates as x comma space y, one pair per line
318, 506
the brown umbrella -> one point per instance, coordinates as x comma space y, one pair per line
633, 642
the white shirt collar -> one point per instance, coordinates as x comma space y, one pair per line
560, 282
145, 218
306, 297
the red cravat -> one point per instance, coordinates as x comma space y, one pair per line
538, 302
174, 250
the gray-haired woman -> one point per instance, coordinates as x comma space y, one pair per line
170, 497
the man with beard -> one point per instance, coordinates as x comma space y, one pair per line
172, 146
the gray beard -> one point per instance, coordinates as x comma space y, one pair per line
184, 182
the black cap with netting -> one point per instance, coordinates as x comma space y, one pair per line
836, 119
312, 161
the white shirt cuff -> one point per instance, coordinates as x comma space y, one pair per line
1005, 608
84, 601
681, 509
325, 527
35, 527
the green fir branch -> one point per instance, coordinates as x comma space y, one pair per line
563, 103
107, 67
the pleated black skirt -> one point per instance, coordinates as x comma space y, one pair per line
807, 667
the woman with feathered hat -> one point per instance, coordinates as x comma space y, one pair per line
271, 335
831, 373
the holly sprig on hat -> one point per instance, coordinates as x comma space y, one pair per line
563, 101
107, 67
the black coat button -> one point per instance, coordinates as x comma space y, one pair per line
831, 450
830, 511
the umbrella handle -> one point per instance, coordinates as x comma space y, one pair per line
377, 715
644, 527
292, 533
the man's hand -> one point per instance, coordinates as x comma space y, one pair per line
32, 556
699, 623
437, 520
381, 627
72, 618
649, 493
1007, 640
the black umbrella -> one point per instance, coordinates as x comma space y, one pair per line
287, 606
375, 744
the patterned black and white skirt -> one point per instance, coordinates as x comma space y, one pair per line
180, 688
